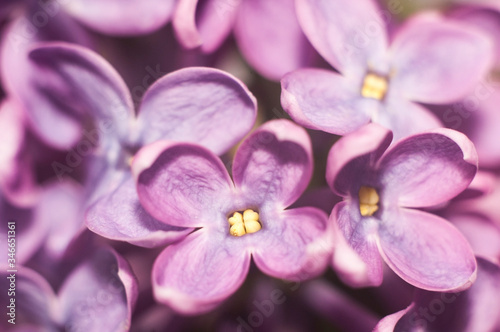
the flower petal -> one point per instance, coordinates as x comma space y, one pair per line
194, 275
353, 155
349, 35
324, 100
356, 258
439, 61
119, 18
427, 169
120, 216
426, 250
299, 245
197, 105
274, 164
181, 184
99, 294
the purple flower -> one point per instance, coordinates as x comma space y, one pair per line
428, 60
377, 219
187, 186
267, 32
200, 105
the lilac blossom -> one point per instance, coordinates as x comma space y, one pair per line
379, 219
187, 186
201, 105
381, 78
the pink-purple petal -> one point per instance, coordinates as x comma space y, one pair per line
426, 250
196, 274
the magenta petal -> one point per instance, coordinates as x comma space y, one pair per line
426, 251
99, 294
274, 164
181, 184
353, 155
348, 34
428, 169
116, 17
324, 100
439, 61
299, 246
356, 258
198, 105
196, 274
120, 216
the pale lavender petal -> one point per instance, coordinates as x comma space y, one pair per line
198, 105
426, 250
427, 169
439, 61
196, 274
324, 100
99, 294
355, 154
115, 17
298, 247
270, 38
356, 258
349, 35
119, 215
388, 323
181, 184
274, 164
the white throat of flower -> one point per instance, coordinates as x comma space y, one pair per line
245, 223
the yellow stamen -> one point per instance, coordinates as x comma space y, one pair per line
374, 86
245, 223
368, 201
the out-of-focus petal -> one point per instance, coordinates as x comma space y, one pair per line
196, 274
324, 100
427, 169
349, 35
439, 61
198, 105
181, 184
120, 18
274, 164
426, 250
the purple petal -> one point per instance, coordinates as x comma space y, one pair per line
99, 294
114, 17
181, 184
426, 251
349, 35
196, 274
198, 105
356, 258
274, 164
439, 61
324, 100
119, 215
298, 247
427, 169
355, 154
270, 38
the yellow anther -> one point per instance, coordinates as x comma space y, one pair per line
368, 201
245, 223
374, 86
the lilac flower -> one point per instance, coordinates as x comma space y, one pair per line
98, 295
428, 60
378, 220
201, 105
267, 32
187, 186
473, 310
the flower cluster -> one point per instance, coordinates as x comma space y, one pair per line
250, 165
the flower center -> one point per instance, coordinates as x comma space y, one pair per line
245, 223
368, 201
374, 86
